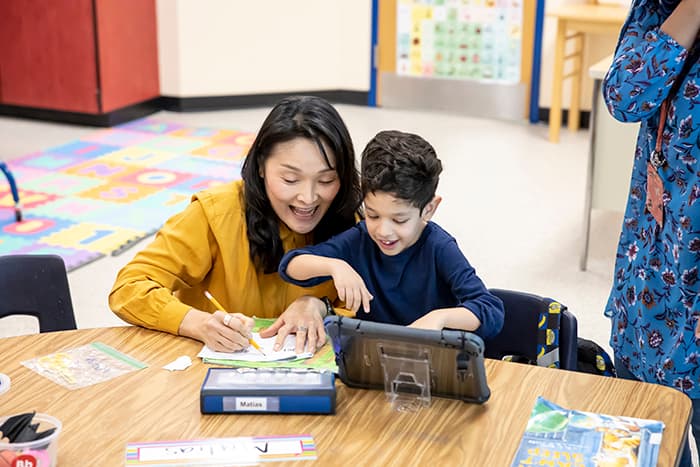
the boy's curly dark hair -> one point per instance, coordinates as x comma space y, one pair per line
403, 164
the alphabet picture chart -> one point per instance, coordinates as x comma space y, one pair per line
460, 39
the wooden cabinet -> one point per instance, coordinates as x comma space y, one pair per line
93, 57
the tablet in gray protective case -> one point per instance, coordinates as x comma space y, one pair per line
456, 358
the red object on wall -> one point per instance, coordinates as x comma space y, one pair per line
85, 56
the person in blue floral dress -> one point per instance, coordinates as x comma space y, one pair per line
654, 304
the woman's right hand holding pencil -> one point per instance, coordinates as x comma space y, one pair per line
230, 331
220, 331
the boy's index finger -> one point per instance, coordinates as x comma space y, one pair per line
366, 298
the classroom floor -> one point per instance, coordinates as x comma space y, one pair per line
514, 201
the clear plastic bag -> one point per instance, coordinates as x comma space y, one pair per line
83, 366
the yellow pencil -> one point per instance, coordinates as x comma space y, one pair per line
220, 308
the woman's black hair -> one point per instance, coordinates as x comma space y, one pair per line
298, 117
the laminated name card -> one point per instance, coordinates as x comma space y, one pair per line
221, 451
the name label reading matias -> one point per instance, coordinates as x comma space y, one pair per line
251, 403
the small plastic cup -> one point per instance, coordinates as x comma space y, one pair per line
39, 453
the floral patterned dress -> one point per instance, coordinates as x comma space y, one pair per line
654, 303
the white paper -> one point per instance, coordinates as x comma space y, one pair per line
180, 363
251, 354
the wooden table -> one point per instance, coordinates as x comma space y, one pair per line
572, 22
155, 404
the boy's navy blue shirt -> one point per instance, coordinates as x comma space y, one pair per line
432, 273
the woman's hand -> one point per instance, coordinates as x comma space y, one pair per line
350, 286
220, 331
303, 317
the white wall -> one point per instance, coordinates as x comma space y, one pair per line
238, 47
615, 143
168, 47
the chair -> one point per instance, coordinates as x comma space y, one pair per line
522, 334
572, 22
36, 285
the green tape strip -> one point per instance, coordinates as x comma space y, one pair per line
118, 355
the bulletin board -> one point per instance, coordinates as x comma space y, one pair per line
469, 56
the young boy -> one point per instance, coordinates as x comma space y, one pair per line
410, 269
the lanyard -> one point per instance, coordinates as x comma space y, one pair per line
657, 157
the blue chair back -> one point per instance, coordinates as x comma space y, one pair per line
36, 285
536, 329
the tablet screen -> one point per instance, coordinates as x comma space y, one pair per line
366, 352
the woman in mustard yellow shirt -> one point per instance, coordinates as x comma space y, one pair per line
299, 187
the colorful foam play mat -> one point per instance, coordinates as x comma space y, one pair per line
98, 195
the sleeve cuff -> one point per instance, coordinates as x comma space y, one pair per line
303, 283
172, 316
657, 34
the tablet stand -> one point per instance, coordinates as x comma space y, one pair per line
406, 376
